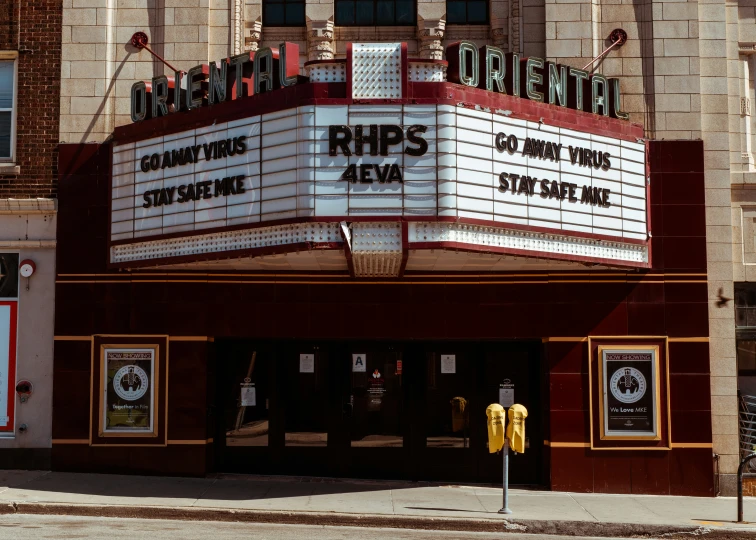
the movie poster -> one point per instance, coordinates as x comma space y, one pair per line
129, 400
630, 406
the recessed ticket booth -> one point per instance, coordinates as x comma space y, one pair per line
401, 410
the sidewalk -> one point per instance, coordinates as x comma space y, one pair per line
369, 503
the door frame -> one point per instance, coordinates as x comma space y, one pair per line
338, 458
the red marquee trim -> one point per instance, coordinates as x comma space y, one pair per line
418, 93
383, 219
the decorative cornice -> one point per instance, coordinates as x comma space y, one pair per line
27, 244
320, 40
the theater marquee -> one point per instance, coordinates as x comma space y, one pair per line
477, 171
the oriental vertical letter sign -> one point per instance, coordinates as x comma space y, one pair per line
129, 383
629, 382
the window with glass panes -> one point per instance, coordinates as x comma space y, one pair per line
283, 13
375, 13
7, 90
745, 327
467, 12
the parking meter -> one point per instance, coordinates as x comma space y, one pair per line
516, 428
496, 418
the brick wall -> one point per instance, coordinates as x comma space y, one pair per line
38, 94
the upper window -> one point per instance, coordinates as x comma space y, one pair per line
467, 11
745, 327
7, 96
283, 13
375, 13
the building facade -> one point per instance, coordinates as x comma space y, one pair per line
207, 318
29, 116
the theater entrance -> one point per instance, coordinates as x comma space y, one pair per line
390, 410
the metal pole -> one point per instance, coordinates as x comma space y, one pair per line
505, 509
140, 40
740, 485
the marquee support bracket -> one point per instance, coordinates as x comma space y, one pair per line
140, 40
618, 37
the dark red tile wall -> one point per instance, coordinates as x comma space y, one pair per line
33, 27
405, 310
671, 308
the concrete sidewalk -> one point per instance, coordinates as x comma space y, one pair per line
369, 503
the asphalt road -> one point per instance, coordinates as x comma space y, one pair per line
23, 527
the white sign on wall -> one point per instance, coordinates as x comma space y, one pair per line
307, 363
474, 164
248, 395
359, 363
448, 363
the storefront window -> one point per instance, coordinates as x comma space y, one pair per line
375, 13
745, 334
746, 357
283, 13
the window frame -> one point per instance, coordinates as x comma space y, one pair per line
466, 22
11, 56
741, 335
265, 5
413, 22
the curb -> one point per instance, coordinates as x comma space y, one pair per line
521, 526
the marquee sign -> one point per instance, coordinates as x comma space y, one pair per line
629, 393
538, 185
269, 69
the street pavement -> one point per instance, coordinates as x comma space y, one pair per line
408, 505
28, 527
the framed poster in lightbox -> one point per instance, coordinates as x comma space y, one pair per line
128, 386
629, 393
630, 396
129, 390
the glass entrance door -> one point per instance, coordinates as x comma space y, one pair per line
375, 413
309, 390
374, 409
244, 389
451, 411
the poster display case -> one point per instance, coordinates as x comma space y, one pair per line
629, 393
128, 389
129, 385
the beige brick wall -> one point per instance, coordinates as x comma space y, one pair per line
100, 65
